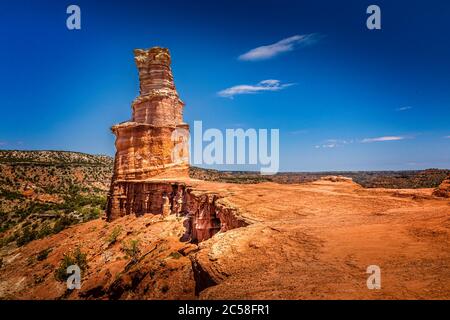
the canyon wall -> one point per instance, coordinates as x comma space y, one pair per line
205, 213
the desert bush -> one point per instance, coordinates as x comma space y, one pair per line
10, 195
132, 250
175, 255
62, 223
114, 235
90, 213
27, 236
44, 231
77, 257
42, 255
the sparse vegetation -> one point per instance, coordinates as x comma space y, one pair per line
77, 257
114, 235
10, 195
42, 255
175, 255
131, 249
27, 235
49, 191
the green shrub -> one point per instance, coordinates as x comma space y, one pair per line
91, 213
175, 255
132, 250
42, 255
45, 231
114, 235
10, 195
62, 223
77, 257
27, 236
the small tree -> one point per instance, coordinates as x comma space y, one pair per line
114, 235
77, 257
132, 250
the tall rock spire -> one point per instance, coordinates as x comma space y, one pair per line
150, 146
158, 103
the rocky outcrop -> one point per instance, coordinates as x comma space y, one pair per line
208, 214
443, 190
146, 197
336, 179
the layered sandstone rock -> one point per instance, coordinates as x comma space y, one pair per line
153, 144
151, 164
150, 145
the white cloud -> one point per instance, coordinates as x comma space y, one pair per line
272, 50
334, 143
330, 145
381, 139
404, 108
265, 85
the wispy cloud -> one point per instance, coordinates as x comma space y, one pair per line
334, 143
381, 139
447, 137
329, 145
265, 85
285, 45
404, 108
3, 143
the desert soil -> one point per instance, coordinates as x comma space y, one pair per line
304, 241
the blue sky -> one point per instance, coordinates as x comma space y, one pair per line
352, 99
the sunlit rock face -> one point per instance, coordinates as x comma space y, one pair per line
150, 145
158, 103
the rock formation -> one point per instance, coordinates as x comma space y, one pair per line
336, 179
153, 145
151, 166
444, 189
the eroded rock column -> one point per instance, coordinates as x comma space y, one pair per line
153, 144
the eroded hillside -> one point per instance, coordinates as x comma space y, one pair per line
43, 192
